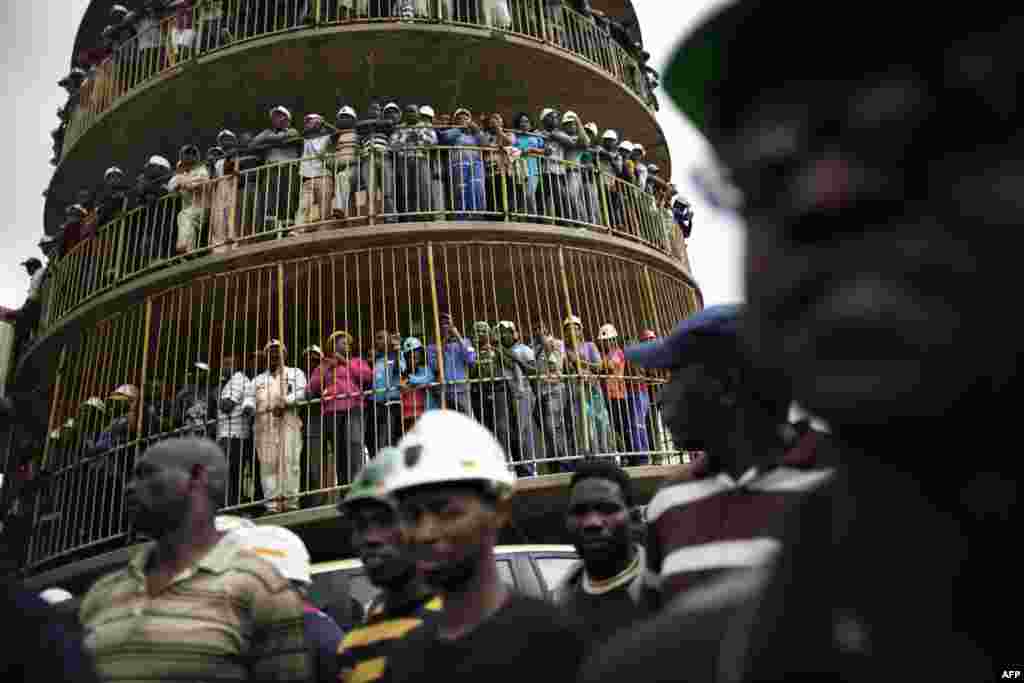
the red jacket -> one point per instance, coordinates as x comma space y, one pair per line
344, 388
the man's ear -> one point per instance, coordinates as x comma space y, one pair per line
502, 512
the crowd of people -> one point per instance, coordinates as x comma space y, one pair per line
407, 158
292, 432
198, 26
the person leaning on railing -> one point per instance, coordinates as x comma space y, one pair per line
346, 173
189, 180
316, 171
467, 166
498, 164
575, 142
409, 146
281, 143
374, 137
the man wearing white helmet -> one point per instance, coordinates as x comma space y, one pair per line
194, 602
404, 601
609, 163
576, 142
417, 376
614, 368
592, 429
454, 491
317, 184
112, 198
346, 172
517, 364
286, 553
190, 181
281, 144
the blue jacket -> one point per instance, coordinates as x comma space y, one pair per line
425, 376
386, 377
459, 137
459, 357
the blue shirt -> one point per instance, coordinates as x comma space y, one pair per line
425, 376
526, 142
459, 137
322, 636
458, 358
386, 378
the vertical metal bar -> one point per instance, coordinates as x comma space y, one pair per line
280, 302
649, 290
145, 362
437, 325
62, 359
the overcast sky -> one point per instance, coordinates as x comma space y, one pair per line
37, 41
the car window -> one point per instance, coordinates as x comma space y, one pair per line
554, 569
505, 572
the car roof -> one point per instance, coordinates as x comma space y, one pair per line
354, 563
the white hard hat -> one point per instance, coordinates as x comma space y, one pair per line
591, 127
280, 547
54, 596
283, 110
346, 110
626, 144
224, 134
274, 342
232, 522
313, 349
112, 169
505, 324
446, 446
411, 344
607, 331
158, 160
638, 147
427, 110
610, 135
313, 116
125, 392
70, 424
391, 105
572, 320
545, 111
569, 116
653, 168
97, 403
462, 110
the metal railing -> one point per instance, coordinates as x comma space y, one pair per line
347, 187
295, 437
163, 46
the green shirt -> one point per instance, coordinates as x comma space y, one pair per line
230, 617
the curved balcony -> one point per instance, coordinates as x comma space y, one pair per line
164, 50
158, 369
276, 202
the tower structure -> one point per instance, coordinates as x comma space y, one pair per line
165, 295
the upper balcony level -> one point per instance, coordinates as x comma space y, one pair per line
348, 194
252, 53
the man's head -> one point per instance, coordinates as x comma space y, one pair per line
522, 122
572, 326
445, 323
392, 112
570, 123
214, 154
714, 386
280, 118
373, 111
227, 140
508, 334
74, 212
598, 518
495, 121
275, 354
340, 342
396, 342
549, 118
381, 341
312, 356
427, 114
32, 264
346, 118
411, 115
113, 176
481, 333
638, 152
176, 483
376, 532
312, 122
462, 117
454, 490
867, 273
610, 140
84, 196
607, 337
189, 154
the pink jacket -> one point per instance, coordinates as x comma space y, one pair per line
344, 388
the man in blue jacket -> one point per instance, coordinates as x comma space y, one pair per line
459, 357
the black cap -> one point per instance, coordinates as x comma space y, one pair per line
32, 261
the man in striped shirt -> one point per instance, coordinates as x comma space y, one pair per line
193, 605
404, 602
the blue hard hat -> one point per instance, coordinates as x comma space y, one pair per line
677, 349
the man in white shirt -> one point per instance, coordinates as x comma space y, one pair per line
234, 432
277, 428
317, 188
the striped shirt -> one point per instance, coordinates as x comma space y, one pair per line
709, 524
234, 425
230, 617
363, 653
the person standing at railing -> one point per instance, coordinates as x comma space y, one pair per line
459, 357
339, 381
234, 431
435, 164
317, 180
525, 180
614, 368
195, 404
517, 364
183, 34
637, 156
157, 236
346, 160
467, 166
374, 136
113, 196
281, 144
190, 180
487, 390
224, 192
554, 188
497, 14
409, 148
550, 354
575, 143
277, 428
149, 43
592, 426
682, 213
588, 167
498, 163
417, 395
384, 407
555, 23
